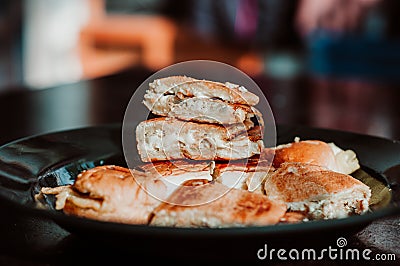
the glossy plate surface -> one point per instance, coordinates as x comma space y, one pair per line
56, 158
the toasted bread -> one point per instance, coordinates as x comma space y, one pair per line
319, 192
108, 193
319, 153
221, 207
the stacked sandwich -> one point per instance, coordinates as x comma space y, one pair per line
199, 120
199, 145
206, 147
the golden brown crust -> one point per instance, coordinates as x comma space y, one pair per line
307, 151
234, 208
110, 193
294, 182
98, 180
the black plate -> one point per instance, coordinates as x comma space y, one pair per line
56, 158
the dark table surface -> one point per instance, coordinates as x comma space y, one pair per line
363, 107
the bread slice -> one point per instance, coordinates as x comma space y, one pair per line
319, 153
171, 139
320, 193
108, 193
205, 204
187, 87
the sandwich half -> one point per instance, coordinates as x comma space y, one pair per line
108, 193
222, 207
316, 191
171, 139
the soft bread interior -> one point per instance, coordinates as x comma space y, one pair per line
169, 139
337, 205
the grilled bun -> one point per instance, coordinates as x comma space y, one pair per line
319, 192
108, 193
318, 153
234, 208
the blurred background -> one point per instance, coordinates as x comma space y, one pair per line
325, 63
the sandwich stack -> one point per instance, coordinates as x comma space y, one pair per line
202, 126
199, 120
